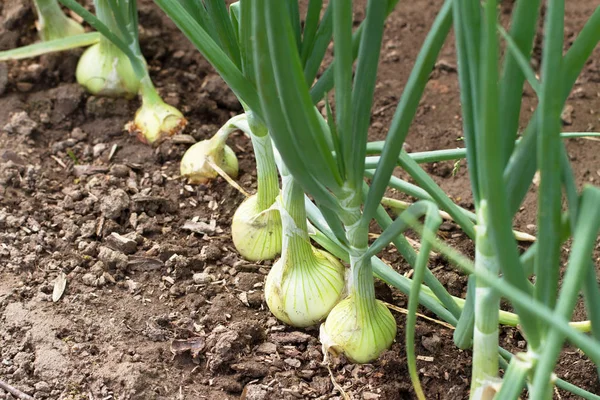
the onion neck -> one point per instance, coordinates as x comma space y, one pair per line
266, 169
150, 96
487, 303
53, 23
296, 247
360, 285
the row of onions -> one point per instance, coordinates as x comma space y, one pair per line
106, 68
270, 57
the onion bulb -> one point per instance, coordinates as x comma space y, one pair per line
195, 163
155, 119
301, 291
256, 233
105, 70
196, 169
360, 329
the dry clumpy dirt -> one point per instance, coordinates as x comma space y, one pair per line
158, 305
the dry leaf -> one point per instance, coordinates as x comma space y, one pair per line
59, 286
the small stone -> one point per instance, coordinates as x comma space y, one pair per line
255, 392
431, 344
42, 387
202, 278
267, 348
113, 205
122, 243
119, 170
113, 259
567, 115
98, 149
78, 134
89, 280
3, 78
293, 362
21, 124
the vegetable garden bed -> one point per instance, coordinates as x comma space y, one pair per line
158, 303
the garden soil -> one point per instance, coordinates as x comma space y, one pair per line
157, 303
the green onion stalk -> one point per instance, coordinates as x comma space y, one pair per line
199, 161
52, 22
360, 326
487, 304
305, 283
256, 225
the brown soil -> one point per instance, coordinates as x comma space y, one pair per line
171, 311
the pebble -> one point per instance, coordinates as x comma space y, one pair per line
254, 392
21, 124
98, 149
267, 348
42, 387
122, 243
113, 259
202, 278
3, 78
293, 362
120, 170
113, 205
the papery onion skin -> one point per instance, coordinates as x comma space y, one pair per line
155, 121
104, 70
256, 234
197, 170
304, 293
361, 339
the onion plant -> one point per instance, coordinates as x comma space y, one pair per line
305, 283
114, 65
270, 59
117, 21
209, 158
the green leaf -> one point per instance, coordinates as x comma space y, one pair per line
407, 108
274, 113
342, 34
522, 30
51, 46
217, 12
302, 119
523, 64
230, 73
584, 240
311, 23
354, 141
312, 60
547, 260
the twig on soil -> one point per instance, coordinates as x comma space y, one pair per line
337, 385
405, 311
14, 391
113, 150
59, 161
226, 177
